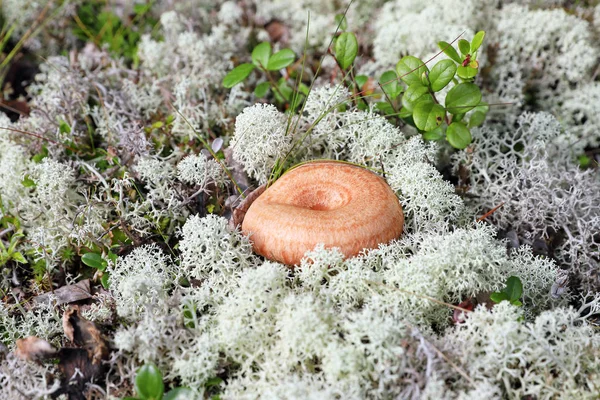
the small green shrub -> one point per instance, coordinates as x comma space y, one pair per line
421, 108
265, 61
94, 22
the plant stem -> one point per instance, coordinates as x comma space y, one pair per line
273, 83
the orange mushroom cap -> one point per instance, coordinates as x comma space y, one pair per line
337, 204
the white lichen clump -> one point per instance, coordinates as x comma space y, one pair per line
261, 137
541, 190
520, 356
209, 247
141, 280
23, 380
199, 170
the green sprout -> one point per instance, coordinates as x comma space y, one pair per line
96, 261
149, 386
511, 293
265, 61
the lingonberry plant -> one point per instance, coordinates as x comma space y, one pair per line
415, 102
265, 61
420, 106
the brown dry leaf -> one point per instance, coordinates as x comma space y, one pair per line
277, 31
67, 294
77, 371
85, 334
369, 87
240, 211
236, 169
17, 106
33, 348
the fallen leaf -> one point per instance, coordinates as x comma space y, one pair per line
84, 334
33, 348
240, 211
277, 31
236, 169
460, 316
16, 106
77, 371
67, 294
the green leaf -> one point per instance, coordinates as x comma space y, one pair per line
514, 288
464, 46
341, 21
458, 135
179, 394
462, 98
302, 88
213, 382
415, 94
237, 75
584, 161
477, 40
104, 280
410, 69
457, 117
281, 59
466, 73
385, 107
94, 260
476, 119
14, 241
441, 74
362, 105
287, 91
18, 257
141, 8
498, 297
41, 155
261, 54
346, 49
27, 181
63, 127
112, 257
482, 107
428, 116
390, 85
148, 383
189, 315
406, 114
516, 303
361, 80
449, 50
435, 134
262, 89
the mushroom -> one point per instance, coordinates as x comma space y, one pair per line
334, 203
